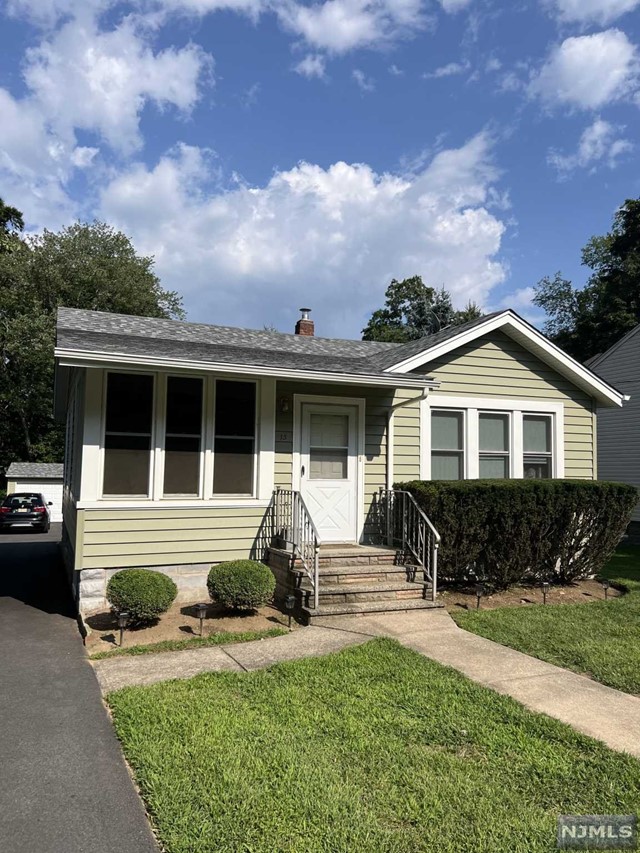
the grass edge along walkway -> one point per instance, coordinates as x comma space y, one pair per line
600, 639
374, 748
217, 638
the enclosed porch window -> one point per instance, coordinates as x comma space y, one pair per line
128, 431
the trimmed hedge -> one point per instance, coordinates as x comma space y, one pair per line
503, 532
143, 593
241, 584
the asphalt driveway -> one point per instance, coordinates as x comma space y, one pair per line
64, 786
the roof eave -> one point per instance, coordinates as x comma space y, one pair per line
82, 358
526, 334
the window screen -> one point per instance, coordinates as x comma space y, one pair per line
329, 447
493, 441
234, 445
447, 445
537, 447
127, 442
183, 436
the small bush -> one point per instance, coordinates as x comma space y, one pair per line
510, 531
241, 584
143, 593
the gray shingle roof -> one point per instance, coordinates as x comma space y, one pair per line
119, 334
36, 470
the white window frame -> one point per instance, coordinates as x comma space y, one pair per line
464, 449
162, 438
93, 451
472, 407
256, 439
510, 432
546, 454
153, 456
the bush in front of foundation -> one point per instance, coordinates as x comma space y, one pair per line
143, 593
241, 584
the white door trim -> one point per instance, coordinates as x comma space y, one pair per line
359, 403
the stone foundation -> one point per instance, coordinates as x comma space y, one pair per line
191, 581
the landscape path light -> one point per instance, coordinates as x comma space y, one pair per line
123, 618
605, 587
545, 590
201, 613
290, 603
479, 594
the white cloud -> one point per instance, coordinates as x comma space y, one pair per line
313, 65
339, 26
588, 71
365, 84
332, 238
591, 11
600, 143
451, 69
395, 71
452, 6
100, 81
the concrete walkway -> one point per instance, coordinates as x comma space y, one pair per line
64, 786
601, 712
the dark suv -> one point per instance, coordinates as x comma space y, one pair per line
25, 509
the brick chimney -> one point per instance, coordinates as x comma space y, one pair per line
305, 326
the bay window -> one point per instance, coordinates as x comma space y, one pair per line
128, 431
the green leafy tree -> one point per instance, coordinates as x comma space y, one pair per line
413, 310
588, 321
89, 266
11, 224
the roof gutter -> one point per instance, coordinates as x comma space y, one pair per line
73, 358
390, 430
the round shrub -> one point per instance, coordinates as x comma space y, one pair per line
143, 593
241, 584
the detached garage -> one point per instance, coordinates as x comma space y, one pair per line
41, 477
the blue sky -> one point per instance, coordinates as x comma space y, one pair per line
279, 153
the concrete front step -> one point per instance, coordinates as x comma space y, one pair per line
326, 611
362, 592
370, 573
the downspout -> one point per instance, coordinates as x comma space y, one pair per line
390, 414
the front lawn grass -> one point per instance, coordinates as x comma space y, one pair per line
218, 638
600, 639
375, 749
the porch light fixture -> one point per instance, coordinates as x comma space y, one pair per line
479, 594
545, 590
201, 613
283, 404
605, 587
123, 618
290, 603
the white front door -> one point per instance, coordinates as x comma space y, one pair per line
329, 469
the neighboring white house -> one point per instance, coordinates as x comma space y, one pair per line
619, 430
42, 477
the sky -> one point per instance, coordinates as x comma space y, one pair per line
274, 154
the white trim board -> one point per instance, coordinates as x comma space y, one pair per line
470, 406
115, 362
530, 338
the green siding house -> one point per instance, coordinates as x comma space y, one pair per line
190, 444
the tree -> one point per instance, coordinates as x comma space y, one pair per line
413, 310
588, 321
11, 224
89, 266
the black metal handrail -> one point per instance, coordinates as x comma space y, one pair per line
406, 527
293, 525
